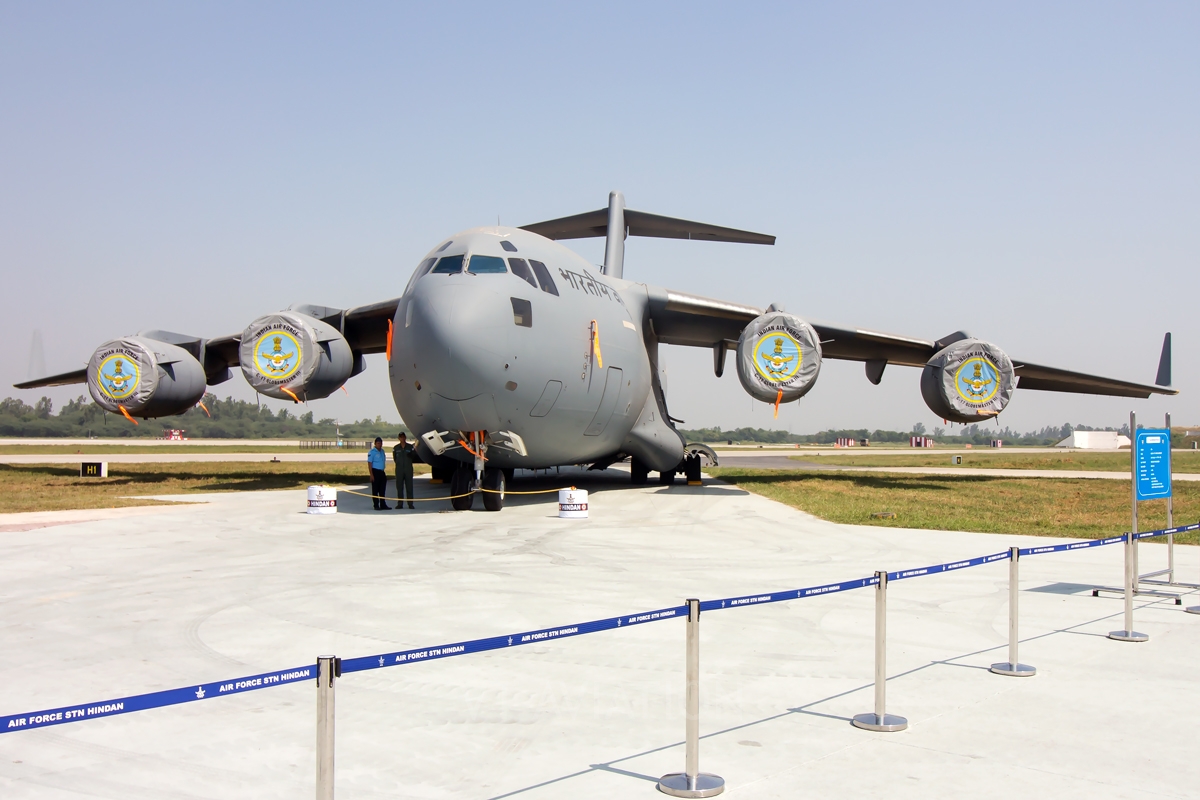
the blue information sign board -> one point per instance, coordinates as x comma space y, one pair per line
1152, 463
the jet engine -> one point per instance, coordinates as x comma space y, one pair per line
968, 381
292, 356
144, 377
778, 357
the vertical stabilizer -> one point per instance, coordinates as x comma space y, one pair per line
1164, 363
614, 244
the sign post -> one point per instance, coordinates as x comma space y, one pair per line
1150, 476
1128, 634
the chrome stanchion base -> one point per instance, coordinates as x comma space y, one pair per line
888, 723
1128, 636
677, 784
1013, 670
1193, 610
1148, 592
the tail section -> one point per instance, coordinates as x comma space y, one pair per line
616, 222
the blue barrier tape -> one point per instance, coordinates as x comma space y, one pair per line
949, 566
381, 660
142, 702
205, 691
1061, 548
790, 594
1165, 531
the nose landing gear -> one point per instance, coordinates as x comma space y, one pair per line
494, 484
462, 485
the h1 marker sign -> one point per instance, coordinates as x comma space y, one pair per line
1152, 454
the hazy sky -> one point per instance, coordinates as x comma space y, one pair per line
1028, 172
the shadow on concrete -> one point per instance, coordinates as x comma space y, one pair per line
543, 485
806, 709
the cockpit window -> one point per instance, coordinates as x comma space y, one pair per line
420, 271
449, 265
447, 244
486, 264
520, 268
507, 245
543, 276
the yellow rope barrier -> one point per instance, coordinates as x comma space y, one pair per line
451, 497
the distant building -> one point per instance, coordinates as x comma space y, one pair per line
1095, 440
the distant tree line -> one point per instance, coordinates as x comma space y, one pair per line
238, 419
230, 419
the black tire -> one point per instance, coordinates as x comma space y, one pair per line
691, 468
666, 477
494, 484
460, 484
639, 473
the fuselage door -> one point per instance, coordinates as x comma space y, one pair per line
614, 379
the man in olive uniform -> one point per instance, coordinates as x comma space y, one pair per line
377, 465
404, 454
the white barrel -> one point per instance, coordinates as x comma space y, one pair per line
322, 500
572, 503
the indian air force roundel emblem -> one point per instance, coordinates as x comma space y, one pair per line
118, 376
977, 380
277, 355
777, 357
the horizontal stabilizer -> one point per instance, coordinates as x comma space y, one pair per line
62, 379
639, 223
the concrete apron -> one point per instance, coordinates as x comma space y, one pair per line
249, 583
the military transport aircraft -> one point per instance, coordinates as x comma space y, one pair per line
508, 350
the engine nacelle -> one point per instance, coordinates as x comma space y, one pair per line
968, 381
292, 356
146, 377
778, 353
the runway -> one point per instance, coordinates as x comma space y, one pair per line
247, 583
750, 459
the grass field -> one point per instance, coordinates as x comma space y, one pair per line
1181, 461
1039, 506
52, 487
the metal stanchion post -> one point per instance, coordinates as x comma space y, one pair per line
328, 669
880, 720
692, 782
1131, 573
1013, 667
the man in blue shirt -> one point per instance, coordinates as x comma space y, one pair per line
377, 464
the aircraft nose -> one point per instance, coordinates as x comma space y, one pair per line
460, 335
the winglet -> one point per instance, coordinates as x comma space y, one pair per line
1164, 363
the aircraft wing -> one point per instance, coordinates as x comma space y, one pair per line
365, 328
694, 321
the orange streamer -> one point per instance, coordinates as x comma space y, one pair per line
778, 397
201, 404
126, 413
389, 341
291, 393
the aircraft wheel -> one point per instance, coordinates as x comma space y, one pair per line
494, 484
666, 477
461, 483
639, 473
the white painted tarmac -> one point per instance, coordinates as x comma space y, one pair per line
249, 583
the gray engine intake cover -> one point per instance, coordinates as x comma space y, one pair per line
778, 352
